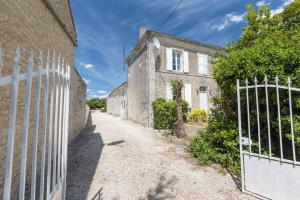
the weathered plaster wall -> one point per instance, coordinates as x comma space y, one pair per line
138, 89
115, 100
34, 26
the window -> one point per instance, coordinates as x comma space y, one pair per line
176, 61
203, 64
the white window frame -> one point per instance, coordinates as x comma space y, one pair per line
178, 65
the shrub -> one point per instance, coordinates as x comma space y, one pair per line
198, 115
97, 104
217, 148
164, 113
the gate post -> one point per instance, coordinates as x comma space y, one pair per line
240, 132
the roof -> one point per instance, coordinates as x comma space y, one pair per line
150, 33
122, 84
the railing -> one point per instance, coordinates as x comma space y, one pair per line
54, 75
266, 136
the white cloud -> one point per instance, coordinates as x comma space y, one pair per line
87, 81
262, 3
229, 19
280, 8
101, 91
88, 66
103, 96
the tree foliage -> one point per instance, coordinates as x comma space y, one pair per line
97, 103
269, 45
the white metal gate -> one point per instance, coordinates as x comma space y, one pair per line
268, 139
47, 177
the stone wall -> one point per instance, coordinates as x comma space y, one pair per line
137, 89
77, 118
35, 27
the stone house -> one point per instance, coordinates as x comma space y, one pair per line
159, 58
36, 25
117, 101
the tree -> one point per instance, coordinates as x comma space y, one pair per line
269, 45
97, 103
178, 129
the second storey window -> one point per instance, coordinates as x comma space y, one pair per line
176, 60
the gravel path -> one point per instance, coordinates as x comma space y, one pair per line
120, 160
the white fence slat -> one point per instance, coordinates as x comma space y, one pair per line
257, 115
66, 133
36, 127
60, 123
291, 120
240, 131
279, 117
248, 117
25, 128
44, 133
268, 117
51, 128
11, 127
54, 175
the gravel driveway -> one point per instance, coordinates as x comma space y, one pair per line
120, 160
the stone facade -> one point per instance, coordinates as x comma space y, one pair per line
117, 101
36, 25
149, 75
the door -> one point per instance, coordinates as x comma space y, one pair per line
203, 98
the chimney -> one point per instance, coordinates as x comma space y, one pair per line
142, 31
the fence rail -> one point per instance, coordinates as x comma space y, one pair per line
53, 75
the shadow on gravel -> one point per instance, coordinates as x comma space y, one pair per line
163, 190
83, 156
115, 143
98, 195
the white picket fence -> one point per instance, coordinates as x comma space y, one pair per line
54, 75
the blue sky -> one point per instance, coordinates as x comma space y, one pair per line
103, 26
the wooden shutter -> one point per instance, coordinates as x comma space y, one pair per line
188, 94
169, 58
203, 63
169, 92
186, 61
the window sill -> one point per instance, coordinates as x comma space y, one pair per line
177, 72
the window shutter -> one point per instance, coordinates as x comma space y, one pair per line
169, 92
169, 58
203, 63
188, 94
186, 61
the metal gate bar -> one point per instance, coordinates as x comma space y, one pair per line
248, 141
53, 138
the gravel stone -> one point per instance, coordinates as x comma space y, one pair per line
121, 160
